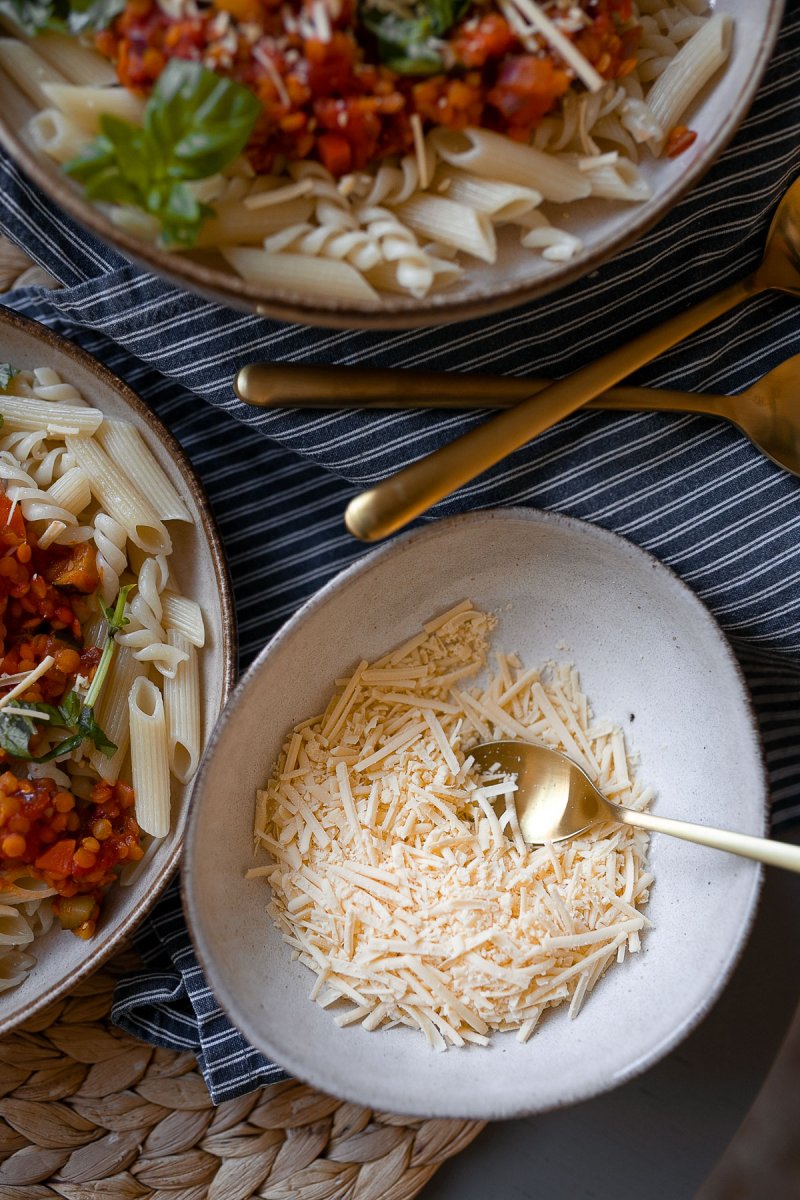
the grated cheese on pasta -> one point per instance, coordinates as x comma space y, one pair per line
401, 880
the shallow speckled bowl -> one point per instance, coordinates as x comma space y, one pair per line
201, 572
650, 657
604, 228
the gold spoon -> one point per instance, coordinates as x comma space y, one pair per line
767, 412
395, 501
555, 800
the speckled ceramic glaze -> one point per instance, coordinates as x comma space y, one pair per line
200, 571
517, 276
650, 657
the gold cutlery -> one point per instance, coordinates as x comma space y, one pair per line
555, 800
767, 412
395, 501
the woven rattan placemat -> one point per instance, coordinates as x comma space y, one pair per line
89, 1113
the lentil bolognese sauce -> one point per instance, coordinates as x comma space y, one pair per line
341, 82
72, 844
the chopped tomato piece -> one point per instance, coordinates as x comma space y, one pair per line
58, 859
334, 150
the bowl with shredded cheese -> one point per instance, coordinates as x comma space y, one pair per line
360, 896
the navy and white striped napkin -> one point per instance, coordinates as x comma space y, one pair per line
691, 490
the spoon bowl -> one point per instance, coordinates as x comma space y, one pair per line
556, 800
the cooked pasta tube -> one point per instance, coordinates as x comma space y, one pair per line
235, 224
614, 180
27, 415
56, 135
85, 105
123, 443
183, 615
182, 706
28, 71
327, 278
451, 224
689, 71
119, 497
112, 712
71, 491
79, 63
149, 757
501, 201
493, 156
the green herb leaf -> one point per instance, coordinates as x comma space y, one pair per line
195, 123
16, 731
75, 17
90, 729
7, 373
412, 45
15, 734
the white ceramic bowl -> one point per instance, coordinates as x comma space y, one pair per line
650, 656
604, 228
201, 572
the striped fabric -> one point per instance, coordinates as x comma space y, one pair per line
691, 490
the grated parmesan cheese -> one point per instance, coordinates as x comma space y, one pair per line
402, 882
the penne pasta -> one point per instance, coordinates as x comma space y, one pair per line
56, 135
84, 106
113, 715
149, 757
451, 224
297, 273
234, 224
492, 156
120, 497
689, 71
182, 706
500, 201
123, 443
21, 63
184, 616
71, 491
79, 63
28, 415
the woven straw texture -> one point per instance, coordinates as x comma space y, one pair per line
89, 1113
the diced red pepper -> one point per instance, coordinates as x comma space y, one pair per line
335, 152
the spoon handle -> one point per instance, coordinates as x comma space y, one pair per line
395, 501
774, 854
298, 385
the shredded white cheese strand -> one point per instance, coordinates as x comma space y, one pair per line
402, 881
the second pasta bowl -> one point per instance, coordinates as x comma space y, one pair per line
461, 220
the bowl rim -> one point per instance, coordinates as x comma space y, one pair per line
395, 312
190, 882
228, 648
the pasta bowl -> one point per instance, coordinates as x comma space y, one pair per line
200, 572
304, 288
650, 657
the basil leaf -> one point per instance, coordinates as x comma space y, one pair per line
411, 45
93, 14
7, 373
195, 123
66, 747
15, 734
70, 709
75, 17
90, 729
199, 120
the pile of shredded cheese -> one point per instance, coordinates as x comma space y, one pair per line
393, 877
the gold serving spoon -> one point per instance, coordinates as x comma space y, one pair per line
395, 501
555, 800
767, 412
